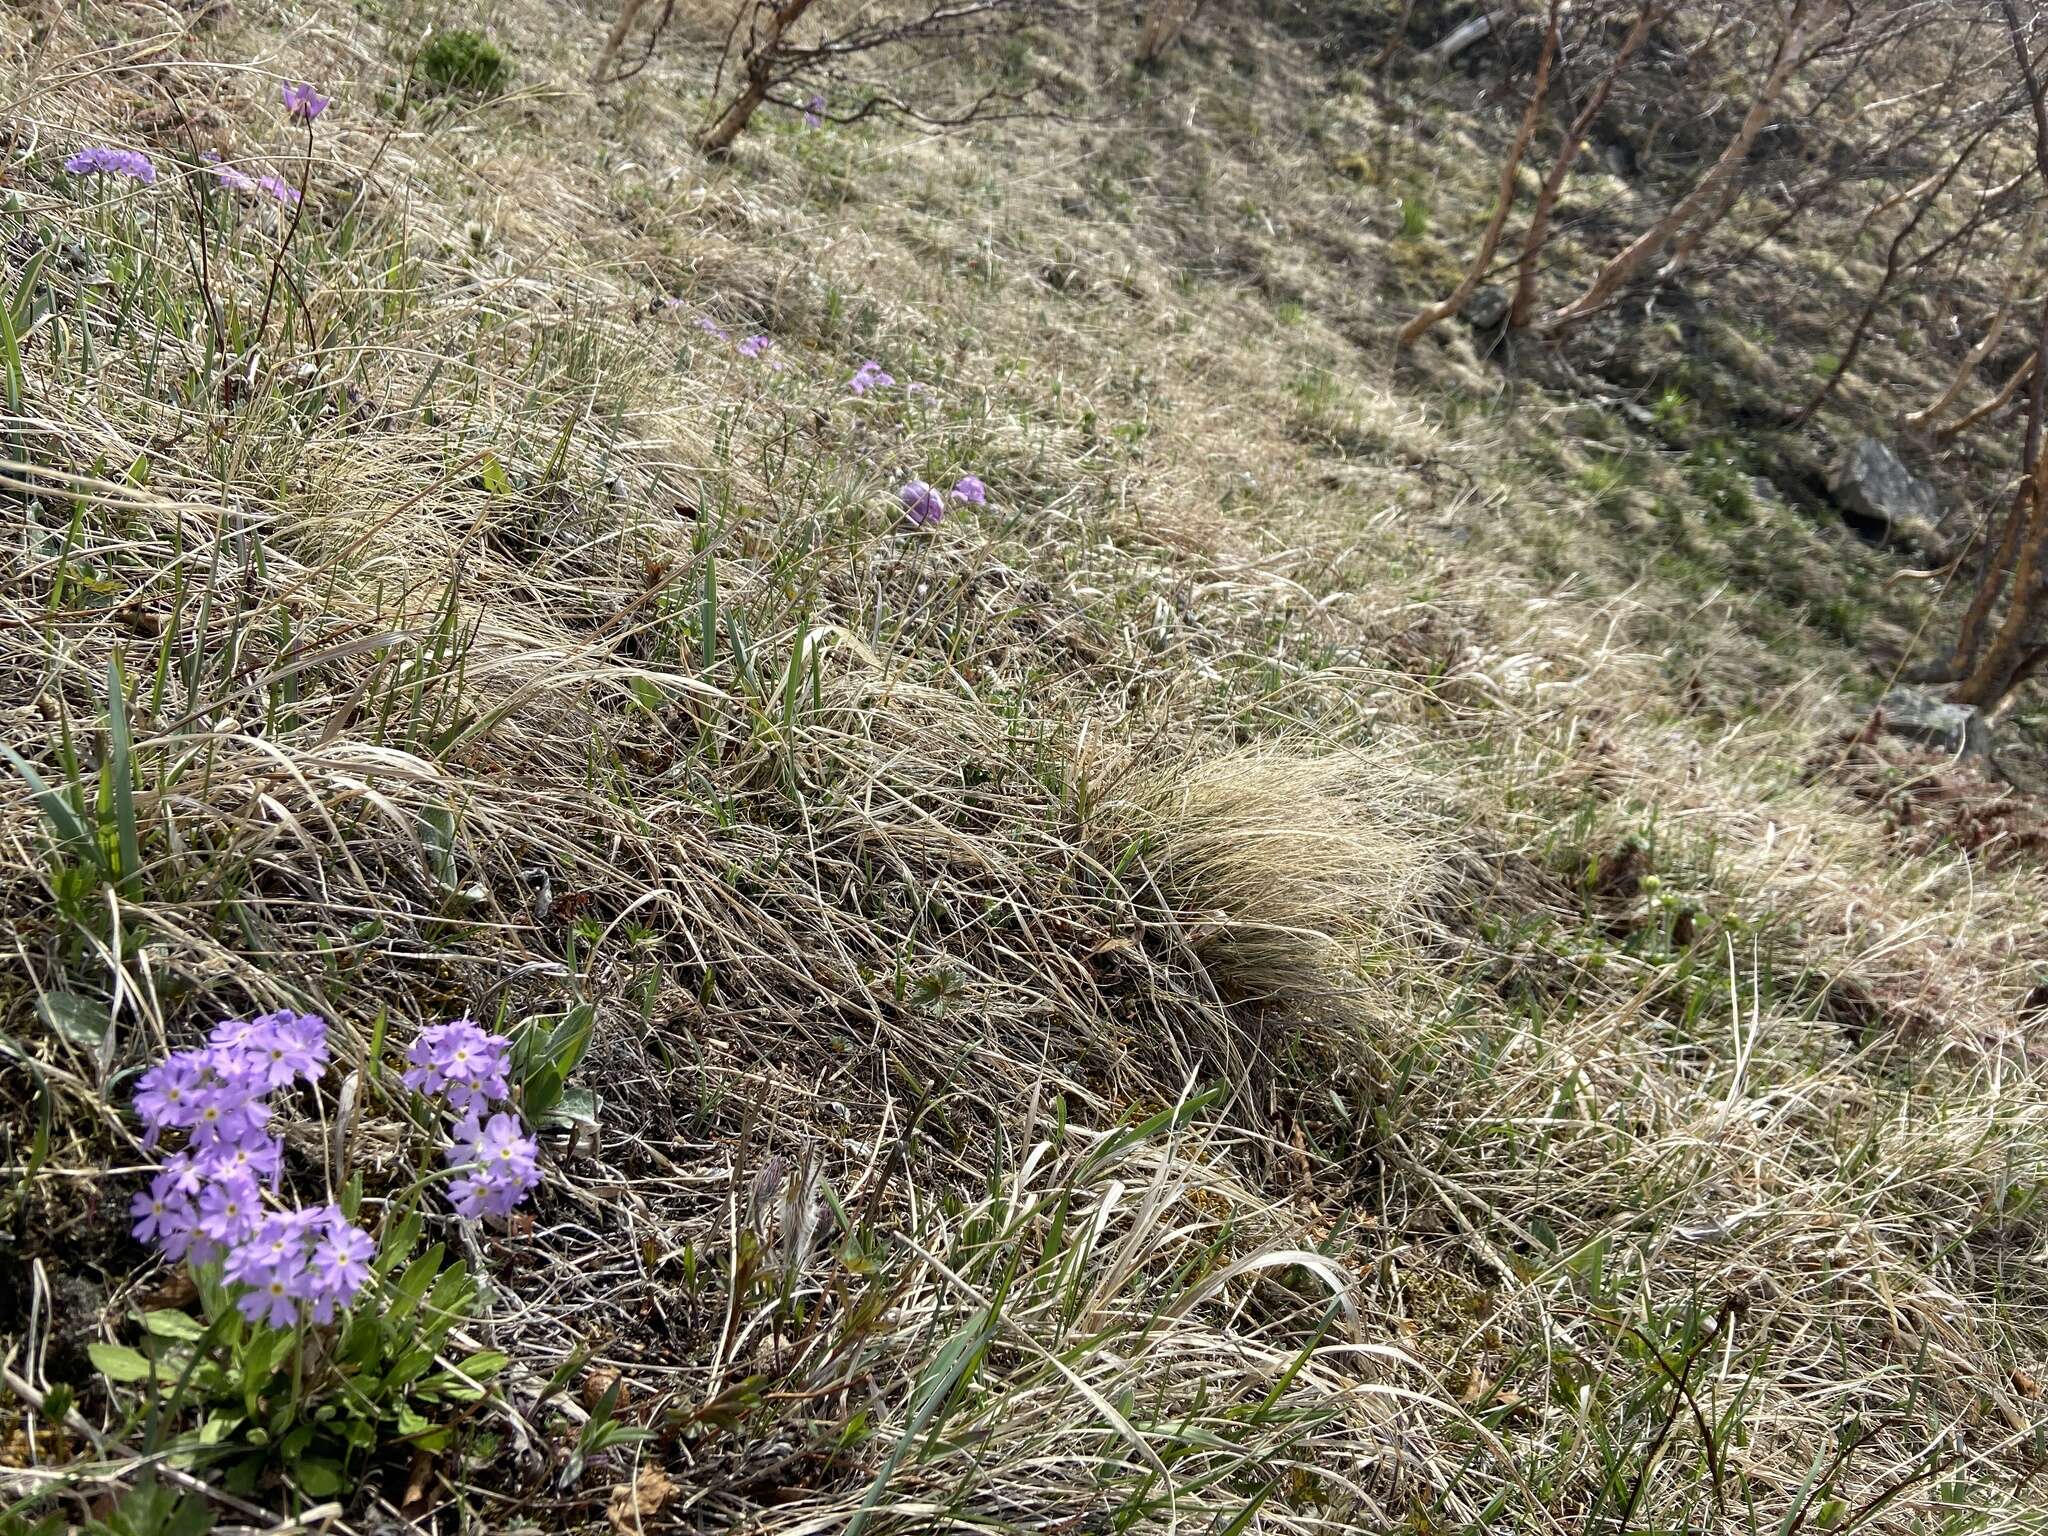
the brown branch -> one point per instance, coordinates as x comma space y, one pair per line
2006, 391
1969, 365
1790, 57
1553, 184
760, 65
1394, 38
1164, 22
629, 12
771, 60
1488, 243
1991, 677
1889, 275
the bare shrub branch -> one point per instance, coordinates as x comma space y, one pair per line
1793, 52
1511, 166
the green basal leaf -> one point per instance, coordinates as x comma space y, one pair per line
214, 1302
172, 1362
543, 1092
70, 832
485, 1364
407, 1369
77, 1019
578, 1108
443, 1388
317, 1477
117, 1362
121, 778
398, 1243
572, 1038
174, 1325
450, 1299
259, 1365
412, 1285
362, 1341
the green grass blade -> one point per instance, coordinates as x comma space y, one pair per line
121, 770
64, 821
21, 312
707, 624
951, 1363
10, 355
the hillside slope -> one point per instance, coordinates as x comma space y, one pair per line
1293, 970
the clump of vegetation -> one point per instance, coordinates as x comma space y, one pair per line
1296, 864
465, 63
1718, 477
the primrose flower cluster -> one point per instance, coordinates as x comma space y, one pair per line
205, 1204
870, 375
301, 102
105, 160
749, 347
497, 1164
236, 180
924, 506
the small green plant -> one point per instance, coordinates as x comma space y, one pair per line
1607, 476
1673, 409
465, 63
147, 1509
305, 1401
94, 842
317, 1348
1414, 218
1714, 471
1316, 388
1843, 617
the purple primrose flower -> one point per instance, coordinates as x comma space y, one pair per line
105, 160
303, 102
921, 504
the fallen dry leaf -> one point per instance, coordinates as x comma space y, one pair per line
632, 1506
175, 1294
415, 1500
599, 1380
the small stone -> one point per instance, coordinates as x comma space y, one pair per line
1957, 729
1486, 309
1870, 483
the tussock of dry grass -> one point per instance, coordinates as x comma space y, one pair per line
1281, 871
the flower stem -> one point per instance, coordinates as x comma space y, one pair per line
291, 232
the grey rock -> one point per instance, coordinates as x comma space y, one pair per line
1486, 309
1957, 729
1871, 483
1448, 47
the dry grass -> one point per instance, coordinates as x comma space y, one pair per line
1280, 873
1616, 1122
